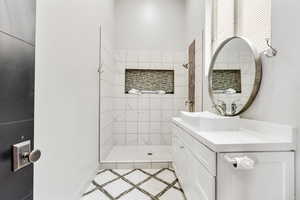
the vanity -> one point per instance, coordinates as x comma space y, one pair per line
205, 160
223, 156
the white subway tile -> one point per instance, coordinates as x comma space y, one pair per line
154, 127
155, 103
131, 127
132, 116
143, 127
144, 115
155, 115
131, 139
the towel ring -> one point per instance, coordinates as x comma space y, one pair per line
271, 51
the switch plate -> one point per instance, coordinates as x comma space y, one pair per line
19, 149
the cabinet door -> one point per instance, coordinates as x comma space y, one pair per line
179, 159
196, 181
201, 184
271, 179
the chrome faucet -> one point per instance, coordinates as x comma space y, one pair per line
221, 108
233, 108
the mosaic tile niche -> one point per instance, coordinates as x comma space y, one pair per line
149, 79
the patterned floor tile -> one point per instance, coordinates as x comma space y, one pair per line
105, 177
172, 194
136, 177
153, 186
135, 195
177, 185
151, 171
96, 195
167, 176
122, 171
117, 187
90, 188
135, 184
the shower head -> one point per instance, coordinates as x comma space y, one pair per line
186, 66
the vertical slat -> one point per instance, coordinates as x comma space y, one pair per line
192, 52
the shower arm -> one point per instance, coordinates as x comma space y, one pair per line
187, 65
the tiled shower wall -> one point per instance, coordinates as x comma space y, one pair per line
145, 119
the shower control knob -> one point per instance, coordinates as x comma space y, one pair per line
188, 102
33, 156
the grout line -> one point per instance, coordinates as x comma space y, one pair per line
125, 192
89, 192
103, 191
155, 177
115, 179
167, 188
102, 171
137, 186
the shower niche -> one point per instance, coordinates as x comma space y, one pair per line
153, 81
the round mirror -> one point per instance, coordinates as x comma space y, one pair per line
235, 76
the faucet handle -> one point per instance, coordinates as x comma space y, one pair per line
220, 109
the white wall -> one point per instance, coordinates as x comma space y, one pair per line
107, 75
150, 25
195, 19
66, 125
253, 16
279, 96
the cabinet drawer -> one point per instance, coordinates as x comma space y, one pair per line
203, 154
201, 182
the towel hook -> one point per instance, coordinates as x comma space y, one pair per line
271, 51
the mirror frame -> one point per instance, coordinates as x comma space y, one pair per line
258, 74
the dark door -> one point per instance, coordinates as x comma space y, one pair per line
192, 64
17, 53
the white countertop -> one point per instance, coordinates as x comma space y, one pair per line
265, 137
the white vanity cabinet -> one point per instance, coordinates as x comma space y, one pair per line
205, 174
271, 179
196, 179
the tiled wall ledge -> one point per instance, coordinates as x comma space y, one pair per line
135, 165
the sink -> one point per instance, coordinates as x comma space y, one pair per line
206, 121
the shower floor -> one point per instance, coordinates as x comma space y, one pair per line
159, 155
